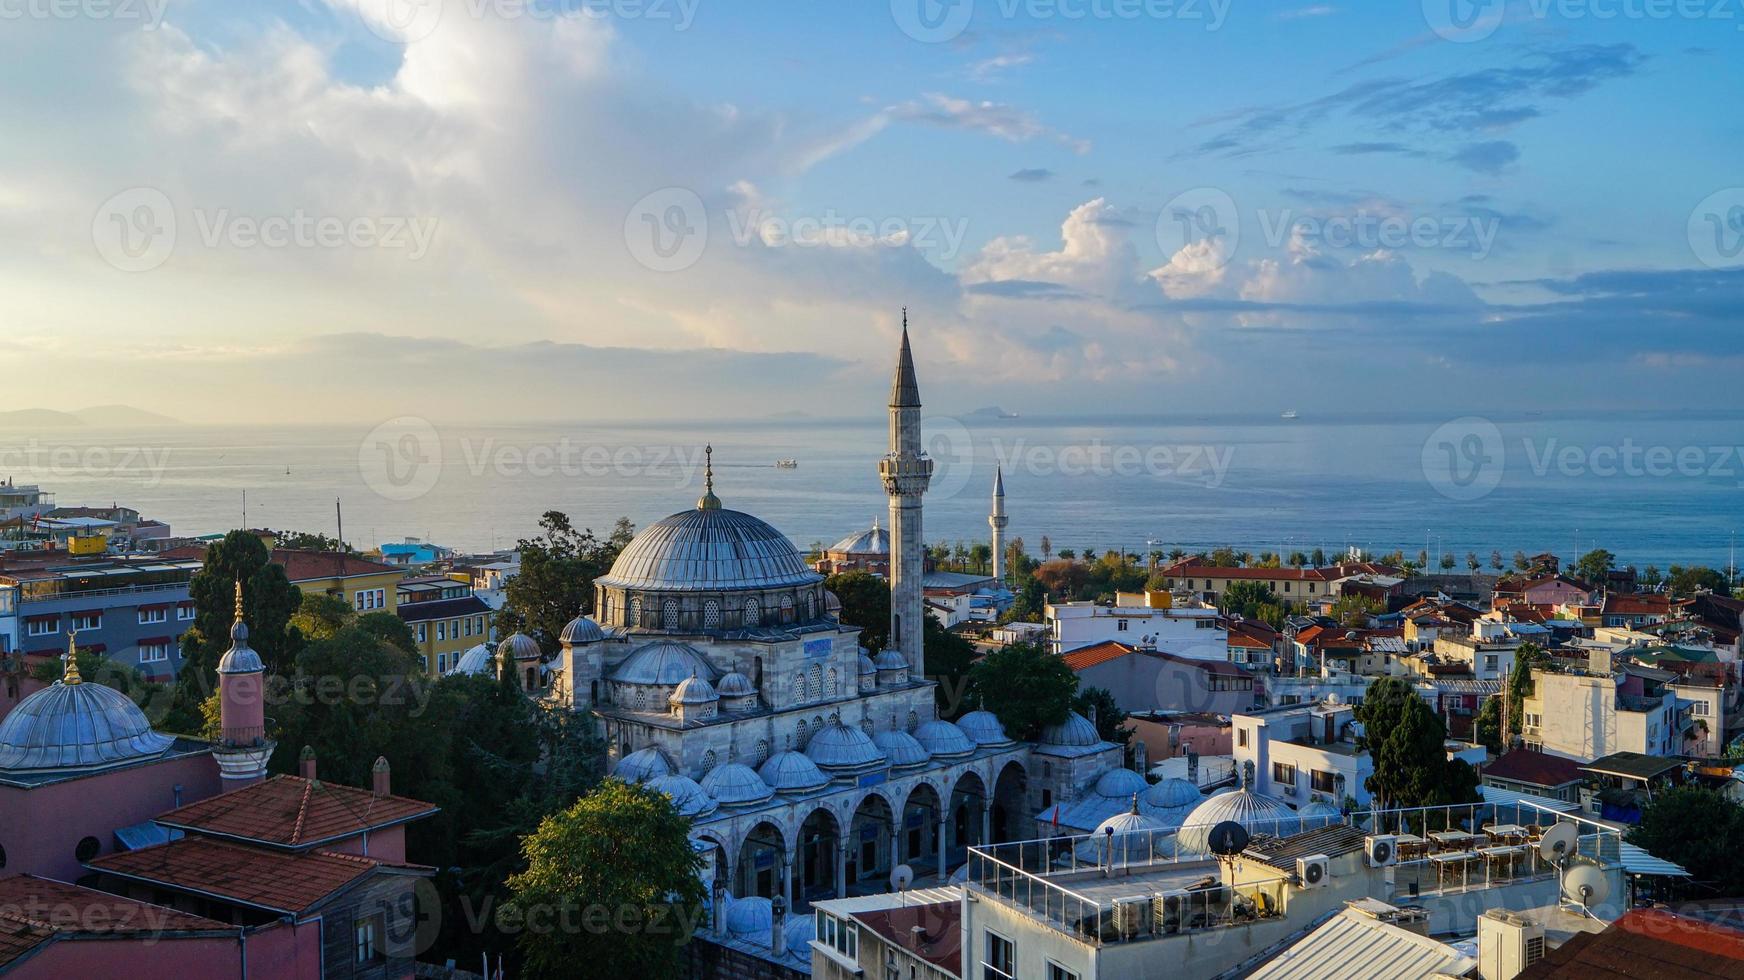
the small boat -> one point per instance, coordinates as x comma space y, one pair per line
787, 464
1289, 416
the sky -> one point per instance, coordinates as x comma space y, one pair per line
344, 210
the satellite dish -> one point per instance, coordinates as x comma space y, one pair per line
901, 877
1585, 883
1558, 842
1227, 839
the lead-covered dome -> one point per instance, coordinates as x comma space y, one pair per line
1172, 794
581, 630
736, 685
519, 646
642, 765
943, 739
688, 798
664, 663
73, 725
736, 784
837, 748
476, 660
694, 690
983, 728
901, 748
708, 550
872, 541
791, 772
1257, 814
1075, 732
1121, 783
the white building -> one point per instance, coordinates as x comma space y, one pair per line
1150, 620
1307, 752
1587, 714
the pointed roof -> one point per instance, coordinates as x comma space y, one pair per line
904, 390
294, 813
999, 481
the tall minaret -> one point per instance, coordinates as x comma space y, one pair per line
997, 520
242, 749
906, 471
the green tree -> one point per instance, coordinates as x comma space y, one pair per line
1487, 727
1521, 562
1047, 549
1353, 611
1652, 576
1686, 582
389, 628
309, 541
321, 616
578, 860
1496, 561
555, 582
1298, 559
1099, 705
1690, 825
1447, 562
949, 661
1027, 687
1030, 604
1595, 566
865, 603
1067, 554
1407, 743
981, 555
1319, 558
1246, 598
268, 602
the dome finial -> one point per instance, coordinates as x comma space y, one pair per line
238, 599
708, 500
71, 673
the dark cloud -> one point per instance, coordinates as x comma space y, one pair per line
1033, 175
1022, 289
1361, 149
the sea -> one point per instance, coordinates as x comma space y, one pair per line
1655, 488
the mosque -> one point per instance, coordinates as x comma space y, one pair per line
719, 672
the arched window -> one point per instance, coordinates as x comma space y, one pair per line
641, 699
711, 615
866, 725
708, 760
669, 615
605, 607
799, 735
787, 609
810, 606
636, 612
913, 721
817, 681
762, 753
753, 613
799, 692
831, 680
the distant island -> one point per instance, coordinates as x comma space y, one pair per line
112, 416
992, 412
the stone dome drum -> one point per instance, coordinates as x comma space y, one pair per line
73, 725
708, 549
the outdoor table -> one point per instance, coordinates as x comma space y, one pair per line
1452, 839
1445, 861
1507, 853
1411, 847
1511, 833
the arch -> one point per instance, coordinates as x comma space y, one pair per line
1011, 819
800, 695
762, 753
817, 680
818, 839
918, 839
711, 614
810, 606
669, 614
787, 608
870, 830
708, 760
635, 620
966, 811
799, 734
832, 683
762, 861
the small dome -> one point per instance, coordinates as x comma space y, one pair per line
901, 748
798, 934
1258, 814
663, 662
943, 739
736, 784
1076, 731
519, 646
736, 685
694, 690
687, 797
240, 658
867, 667
832, 604
581, 630
76, 725
983, 728
1118, 783
750, 919
1173, 793
792, 772
476, 660
890, 658
642, 765
872, 541
1133, 837
1316, 814
837, 747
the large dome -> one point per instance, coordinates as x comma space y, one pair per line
73, 725
1257, 814
708, 550
663, 663
872, 541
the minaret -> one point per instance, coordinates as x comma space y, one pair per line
997, 520
906, 471
243, 748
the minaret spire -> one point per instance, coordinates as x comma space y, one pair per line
906, 472
997, 520
708, 500
70, 673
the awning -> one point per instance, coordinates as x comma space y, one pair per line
1505, 797
1637, 861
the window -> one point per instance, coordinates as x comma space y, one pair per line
469, 626
753, 613
1324, 782
441, 631
669, 615
1001, 959
423, 632
1241, 737
368, 934
154, 653
1120, 626
1283, 772
441, 663
149, 615
454, 628
87, 621
711, 614
185, 611
48, 626
1058, 972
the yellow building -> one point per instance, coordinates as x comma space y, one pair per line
445, 617
369, 586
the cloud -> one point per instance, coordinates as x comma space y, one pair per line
1490, 157
1308, 13
993, 118
994, 68
1033, 175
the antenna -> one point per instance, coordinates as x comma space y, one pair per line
901, 877
340, 516
1585, 885
1558, 842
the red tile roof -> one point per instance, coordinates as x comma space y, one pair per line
18, 937
293, 812
1537, 768
61, 907
1639, 605
1646, 944
1099, 653
275, 880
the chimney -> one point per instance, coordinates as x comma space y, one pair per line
380, 772
778, 926
306, 762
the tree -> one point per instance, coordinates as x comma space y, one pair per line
389, 628
1027, 687
1067, 554
268, 602
1098, 704
309, 541
1472, 563
1521, 562
981, 555
1246, 598
1652, 577
949, 661
320, 615
578, 860
1690, 825
1031, 603
1319, 558
555, 583
1528, 657
1447, 562
1487, 727
1353, 611
1407, 743
1496, 561
1595, 566
865, 602
1686, 582
1298, 559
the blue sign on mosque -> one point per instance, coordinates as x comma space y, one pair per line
818, 649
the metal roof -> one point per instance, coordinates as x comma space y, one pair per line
1354, 944
1505, 797
1633, 765
706, 550
1637, 861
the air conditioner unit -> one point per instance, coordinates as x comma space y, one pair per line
1313, 870
1169, 913
1382, 849
1129, 915
1289, 789
1508, 944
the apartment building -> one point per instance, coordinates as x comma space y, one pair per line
132, 609
1585, 714
1149, 620
446, 619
